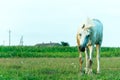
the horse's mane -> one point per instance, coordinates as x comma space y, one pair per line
88, 23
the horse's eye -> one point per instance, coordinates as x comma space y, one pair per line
88, 35
80, 34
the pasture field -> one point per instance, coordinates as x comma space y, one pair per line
56, 69
54, 63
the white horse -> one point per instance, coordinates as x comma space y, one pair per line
90, 34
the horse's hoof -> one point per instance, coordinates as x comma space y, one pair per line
81, 73
90, 71
98, 72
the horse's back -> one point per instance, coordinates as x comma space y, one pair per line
98, 29
98, 24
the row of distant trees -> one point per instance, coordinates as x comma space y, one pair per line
53, 44
65, 43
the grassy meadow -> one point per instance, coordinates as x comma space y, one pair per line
54, 63
56, 69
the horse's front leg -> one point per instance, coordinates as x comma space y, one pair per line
80, 61
91, 48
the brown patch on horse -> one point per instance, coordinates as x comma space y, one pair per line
78, 40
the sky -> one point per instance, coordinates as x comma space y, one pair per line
47, 21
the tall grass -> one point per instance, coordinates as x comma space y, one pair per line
35, 51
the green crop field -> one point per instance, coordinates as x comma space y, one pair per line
54, 63
34, 51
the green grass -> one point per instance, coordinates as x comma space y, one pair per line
56, 69
66, 52
54, 63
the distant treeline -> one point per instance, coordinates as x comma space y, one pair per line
59, 51
53, 44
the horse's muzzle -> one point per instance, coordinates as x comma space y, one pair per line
82, 49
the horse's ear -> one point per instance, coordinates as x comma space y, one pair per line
83, 26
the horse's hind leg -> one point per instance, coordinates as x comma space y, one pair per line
98, 58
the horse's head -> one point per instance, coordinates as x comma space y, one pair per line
84, 36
